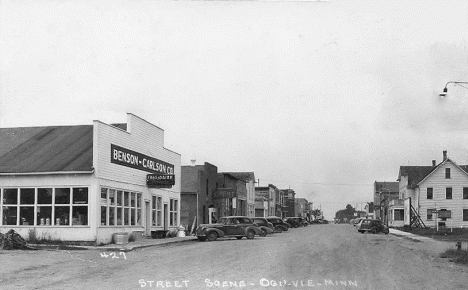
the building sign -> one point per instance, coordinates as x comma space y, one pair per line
444, 214
224, 193
129, 158
160, 180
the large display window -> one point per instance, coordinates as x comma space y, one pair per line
120, 208
45, 206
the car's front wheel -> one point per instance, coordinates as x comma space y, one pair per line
250, 234
278, 230
201, 239
386, 231
212, 236
374, 231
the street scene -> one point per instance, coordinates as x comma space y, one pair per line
313, 257
229, 144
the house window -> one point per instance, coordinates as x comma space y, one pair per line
448, 193
465, 192
118, 208
398, 214
156, 211
430, 192
429, 214
465, 214
174, 204
44, 206
447, 172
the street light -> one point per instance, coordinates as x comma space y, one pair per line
444, 93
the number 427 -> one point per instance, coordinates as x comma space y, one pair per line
113, 255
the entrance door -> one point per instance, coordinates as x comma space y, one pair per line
166, 218
148, 218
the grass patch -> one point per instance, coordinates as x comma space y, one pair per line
443, 234
457, 256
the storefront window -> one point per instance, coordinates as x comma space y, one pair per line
120, 208
27, 195
159, 211
153, 209
173, 212
44, 206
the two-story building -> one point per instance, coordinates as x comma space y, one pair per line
438, 193
230, 197
249, 178
268, 192
87, 182
199, 183
290, 199
387, 204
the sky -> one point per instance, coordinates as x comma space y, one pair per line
323, 97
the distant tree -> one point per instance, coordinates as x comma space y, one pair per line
345, 214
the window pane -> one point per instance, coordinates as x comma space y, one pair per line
44, 216
159, 202
111, 216
62, 213
119, 198
26, 215
126, 196
103, 215
139, 200
126, 216
465, 192
132, 218
27, 196
132, 203
154, 218
465, 214
80, 215
159, 219
44, 195
10, 196
119, 216
138, 217
103, 196
10, 213
80, 195
112, 196
62, 196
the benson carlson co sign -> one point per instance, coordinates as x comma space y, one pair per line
129, 158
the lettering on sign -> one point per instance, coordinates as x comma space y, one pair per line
129, 158
160, 180
224, 193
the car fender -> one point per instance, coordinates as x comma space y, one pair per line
254, 228
267, 229
284, 228
218, 231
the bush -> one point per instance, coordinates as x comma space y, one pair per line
457, 256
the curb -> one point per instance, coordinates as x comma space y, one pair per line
120, 248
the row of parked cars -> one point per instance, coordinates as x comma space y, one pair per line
242, 226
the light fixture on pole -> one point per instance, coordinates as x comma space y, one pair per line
444, 93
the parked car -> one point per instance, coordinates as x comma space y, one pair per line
278, 223
296, 222
265, 226
233, 226
372, 226
356, 221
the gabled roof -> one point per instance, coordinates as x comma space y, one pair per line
386, 185
463, 168
46, 149
415, 174
246, 176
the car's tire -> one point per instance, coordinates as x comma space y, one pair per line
239, 238
212, 236
264, 233
361, 232
374, 231
201, 239
278, 230
386, 231
250, 234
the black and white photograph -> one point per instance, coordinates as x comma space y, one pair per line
233, 144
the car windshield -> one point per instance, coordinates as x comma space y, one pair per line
222, 220
366, 222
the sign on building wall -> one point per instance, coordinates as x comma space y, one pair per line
224, 193
444, 214
129, 158
160, 180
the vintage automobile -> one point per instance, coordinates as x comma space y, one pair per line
296, 222
265, 226
278, 223
357, 221
372, 226
233, 226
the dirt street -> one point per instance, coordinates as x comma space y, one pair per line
315, 257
